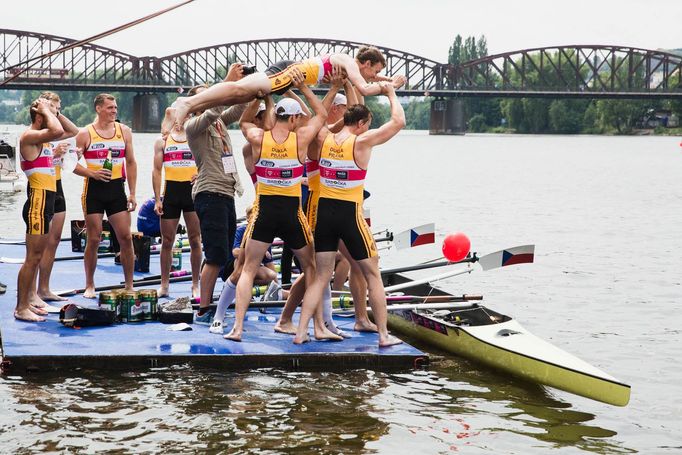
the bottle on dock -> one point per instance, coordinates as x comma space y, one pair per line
176, 264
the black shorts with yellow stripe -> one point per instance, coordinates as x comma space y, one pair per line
279, 216
310, 207
177, 199
280, 79
343, 220
38, 210
101, 197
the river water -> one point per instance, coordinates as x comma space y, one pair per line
605, 216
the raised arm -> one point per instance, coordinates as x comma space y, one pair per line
70, 129
156, 175
295, 97
52, 130
248, 118
307, 133
389, 129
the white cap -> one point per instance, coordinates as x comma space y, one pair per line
339, 99
287, 106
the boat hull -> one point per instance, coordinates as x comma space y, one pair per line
503, 344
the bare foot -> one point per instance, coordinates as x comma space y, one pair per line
298, 340
285, 327
89, 293
27, 315
163, 292
50, 296
388, 340
36, 301
40, 311
326, 334
234, 335
365, 326
181, 110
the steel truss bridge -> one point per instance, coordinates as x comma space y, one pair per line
591, 71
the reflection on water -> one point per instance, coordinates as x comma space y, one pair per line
454, 406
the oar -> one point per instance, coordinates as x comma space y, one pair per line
119, 286
510, 256
7, 260
176, 274
416, 306
447, 301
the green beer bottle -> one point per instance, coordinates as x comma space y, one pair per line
108, 163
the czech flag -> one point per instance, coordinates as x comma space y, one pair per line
511, 256
420, 235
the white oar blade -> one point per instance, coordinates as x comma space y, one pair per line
6, 260
416, 236
511, 256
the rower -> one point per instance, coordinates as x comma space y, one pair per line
361, 70
279, 156
344, 158
173, 155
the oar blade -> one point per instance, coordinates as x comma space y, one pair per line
523, 254
416, 236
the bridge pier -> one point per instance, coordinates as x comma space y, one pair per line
447, 116
147, 113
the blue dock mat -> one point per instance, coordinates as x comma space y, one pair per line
51, 346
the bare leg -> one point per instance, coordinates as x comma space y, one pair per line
194, 236
45, 270
264, 276
120, 222
341, 271
93, 227
317, 275
253, 253
358, 289
285, 324
35, 245
377, 299
209, 275
223, 94
168, 229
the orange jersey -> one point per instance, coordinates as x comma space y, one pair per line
40, 171
340, 176
99, 147
278, 169
178, 161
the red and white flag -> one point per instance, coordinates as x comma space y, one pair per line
420, 235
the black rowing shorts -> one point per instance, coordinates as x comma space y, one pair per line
177, 198
279, 216
101, 197
343, 220
38, 211
59, 199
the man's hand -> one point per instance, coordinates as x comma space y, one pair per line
235, 72
193, 179
337, 78
44, 106
386, 88
297, 78
158, 207
61, 149
399, 81
132, 203
103, 175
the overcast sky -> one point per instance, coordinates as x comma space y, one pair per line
422, 27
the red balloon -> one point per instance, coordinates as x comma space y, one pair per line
456, 246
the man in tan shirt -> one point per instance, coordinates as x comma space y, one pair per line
214, 189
